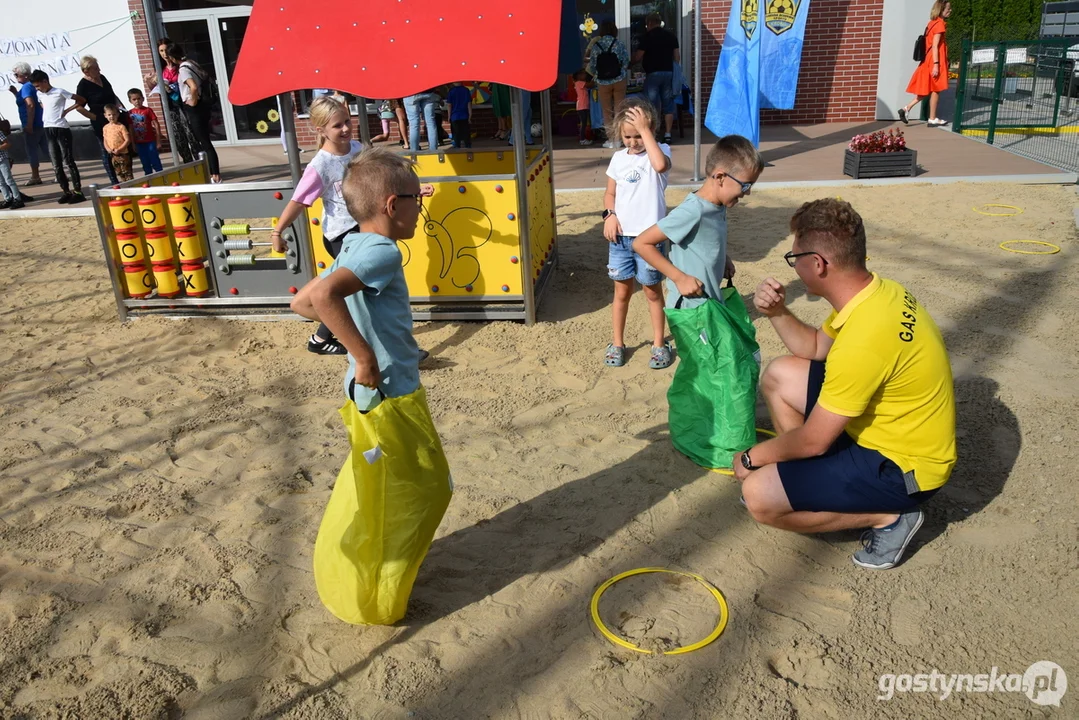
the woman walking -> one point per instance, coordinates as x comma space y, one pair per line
194, 93
931, 77
183, 141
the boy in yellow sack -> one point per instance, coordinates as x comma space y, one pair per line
395, 486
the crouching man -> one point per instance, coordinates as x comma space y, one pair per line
864, 406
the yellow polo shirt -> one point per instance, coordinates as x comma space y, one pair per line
888, 371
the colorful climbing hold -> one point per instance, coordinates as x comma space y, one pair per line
505, 288
234, 291
434, 288
511, 217
468, 288
277, 195
314, 221
514, 259
498, 188
461, 189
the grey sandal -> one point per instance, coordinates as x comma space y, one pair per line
661, 357
615, 356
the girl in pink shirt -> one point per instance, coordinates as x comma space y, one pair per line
581, 85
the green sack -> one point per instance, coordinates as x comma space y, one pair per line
713, 397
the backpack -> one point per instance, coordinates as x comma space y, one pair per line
919, 46
608, 66
208, 92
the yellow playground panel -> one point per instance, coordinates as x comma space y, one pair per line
472, 243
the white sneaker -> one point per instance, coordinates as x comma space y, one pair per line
586, 142
609, 145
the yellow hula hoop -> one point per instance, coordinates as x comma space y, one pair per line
725, 471
1018, 210
724, 613
1055, 248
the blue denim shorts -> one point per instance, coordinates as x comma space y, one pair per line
659, 88
624, 264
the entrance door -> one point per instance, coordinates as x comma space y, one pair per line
630, 17
212, 38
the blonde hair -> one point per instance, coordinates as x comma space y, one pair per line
86, 62
621, 116
322, 111
734, 152
938, 9
371, 177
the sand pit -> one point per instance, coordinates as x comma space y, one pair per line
161, 484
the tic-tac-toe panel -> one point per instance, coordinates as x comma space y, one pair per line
238, 225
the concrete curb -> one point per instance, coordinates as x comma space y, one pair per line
50, 213
1039, 179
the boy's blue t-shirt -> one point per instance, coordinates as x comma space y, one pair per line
459, 99
382, 314
698, 233
27, 90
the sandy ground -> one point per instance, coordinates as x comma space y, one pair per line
161, 484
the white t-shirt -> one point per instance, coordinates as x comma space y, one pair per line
187, 72
638, 198
52, 107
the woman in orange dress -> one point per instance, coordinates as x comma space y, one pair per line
931, 77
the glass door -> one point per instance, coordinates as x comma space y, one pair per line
260, 120
212, 38
194, 37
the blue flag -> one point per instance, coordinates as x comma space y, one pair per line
781, 51
758, 66
734, 105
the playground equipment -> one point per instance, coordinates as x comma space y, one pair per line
486, 246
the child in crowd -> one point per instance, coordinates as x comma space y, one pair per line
8, 187
385, 114
363, 296
322, 179
459, 100
697, 228
58, 133
582, 86
146, 131
634, 202
118, 142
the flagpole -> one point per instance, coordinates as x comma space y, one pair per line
697, 91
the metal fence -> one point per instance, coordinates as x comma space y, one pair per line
1022, 96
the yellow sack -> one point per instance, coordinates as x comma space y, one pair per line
388, 501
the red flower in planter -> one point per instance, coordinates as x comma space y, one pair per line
880, 141
393, 48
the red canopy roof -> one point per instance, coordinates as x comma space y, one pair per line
393, 48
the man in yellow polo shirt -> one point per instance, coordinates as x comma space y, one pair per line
864, 406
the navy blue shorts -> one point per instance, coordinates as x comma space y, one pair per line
848, 478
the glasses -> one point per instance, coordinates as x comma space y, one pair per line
418, 196
792, 257
746, 187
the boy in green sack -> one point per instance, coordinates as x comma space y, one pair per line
713, 394
697, 229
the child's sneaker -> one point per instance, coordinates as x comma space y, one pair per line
661, 357
77, 197
65, 199
325, 347
615, 356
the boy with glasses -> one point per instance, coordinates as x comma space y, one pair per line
363, 298
697, 229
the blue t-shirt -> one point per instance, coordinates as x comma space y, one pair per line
698, 233
27, 91
459, 99
382, 314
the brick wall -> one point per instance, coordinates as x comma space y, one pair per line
840, 57
146, 65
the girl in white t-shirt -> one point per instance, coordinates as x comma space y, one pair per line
634, 202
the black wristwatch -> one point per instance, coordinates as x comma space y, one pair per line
607, 213
747, 463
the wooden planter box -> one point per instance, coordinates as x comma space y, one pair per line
874, 165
